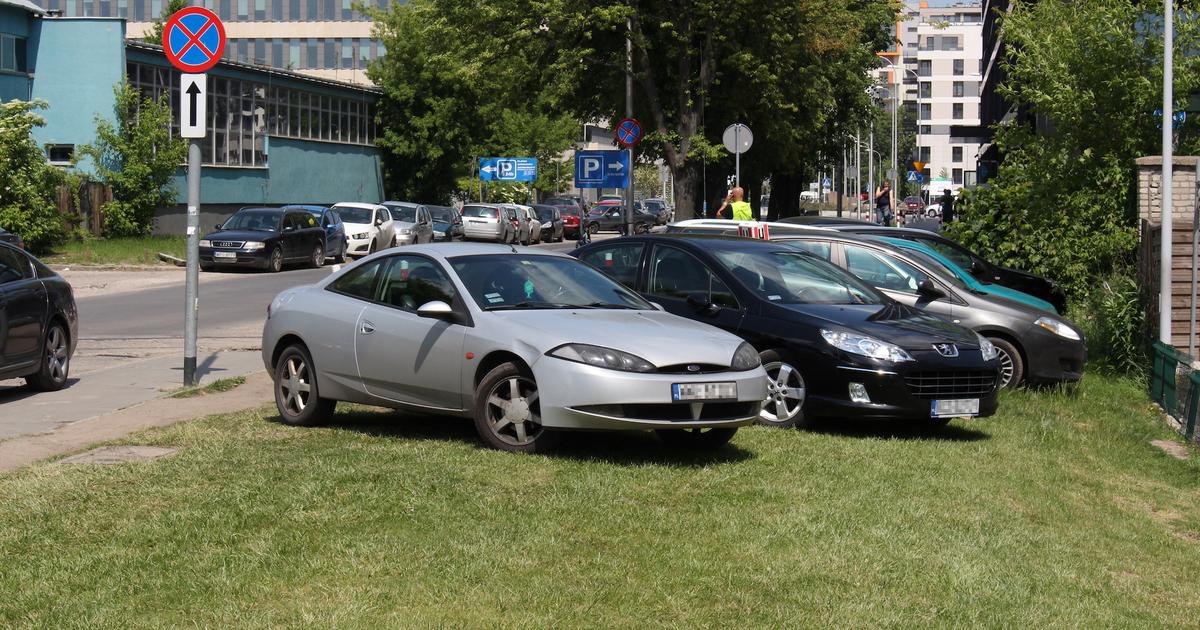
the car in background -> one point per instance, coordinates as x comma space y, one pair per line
337, 243
488, 222
552, 222
832, 345
39, 326
913, 204
570, 218
658, 208
411, 223
611, 198
264, 238
520, 222
608, 217
534, 223
561, 200
445, 329
369, 226
9, 237
447, 223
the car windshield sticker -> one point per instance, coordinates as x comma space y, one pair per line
311, 221
493, 297
608, 262
529, 288
404, 270
774, 297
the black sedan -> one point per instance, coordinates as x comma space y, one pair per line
552, 222
447, 223
606, 217
832, 345
38, 322
337, 243
9, 237
264, 238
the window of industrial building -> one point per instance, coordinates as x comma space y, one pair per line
958, 176
926, 89
60, 153
958, 111
959, 88
925, 68
12, 54
955, 154
958, 67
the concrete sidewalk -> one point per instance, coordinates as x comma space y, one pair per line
104, 391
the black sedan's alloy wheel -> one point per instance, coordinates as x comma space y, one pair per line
296, 396
275, 262
507, 411
318, 256
56, 363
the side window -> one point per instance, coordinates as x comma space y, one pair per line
381, 215
326, 220
411, 281
619, 262
817, 248
956, 255
677, 274
13, 266
882, 270
360, 281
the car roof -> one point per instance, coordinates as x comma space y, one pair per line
355, 204
464, 248
304, 206
734, 223
706, 242
881, 230
403, 204
805, 220
264, 209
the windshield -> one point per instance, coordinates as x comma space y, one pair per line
265, 220
568, 211
652, 204
545, 214
479, 212
508, 281
356, 215
956, 253
442, 215
794, 278
403, 213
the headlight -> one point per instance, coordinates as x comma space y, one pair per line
404, 232
546, 225
863, 345
253, 246
1057, 327
746, 358
359, 237
439, 234
987, 348
602, 357
205, 243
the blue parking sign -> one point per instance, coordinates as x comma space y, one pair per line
508, 169
601, 169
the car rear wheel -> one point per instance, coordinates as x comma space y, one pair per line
698, 438
56, 363
1012, 368
275, 261
318, 256
296, 396
508, 413
592, 228
341, 257
786, 393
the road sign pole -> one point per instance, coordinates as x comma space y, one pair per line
193, 263
737, 156
629, 114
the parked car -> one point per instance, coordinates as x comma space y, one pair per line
411, 222
832, 345
521, 224
979, 267
658, 208
552, 223
369, 226
9, 237
447, 223
488, 222
534, 223
336, 240
570, 216
913, 204
264, 238
444, 329
611, 218
39, 326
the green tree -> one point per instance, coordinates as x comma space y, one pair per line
28, 183
137, 157
156, 32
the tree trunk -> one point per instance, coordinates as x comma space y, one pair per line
687, 192
785, 195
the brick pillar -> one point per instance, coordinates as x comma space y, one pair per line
1149, 204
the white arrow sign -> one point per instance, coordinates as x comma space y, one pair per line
616, 166
488, 169
193, 105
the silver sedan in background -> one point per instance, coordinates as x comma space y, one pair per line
444, 328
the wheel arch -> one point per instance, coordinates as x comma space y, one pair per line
1010, 338
494, 359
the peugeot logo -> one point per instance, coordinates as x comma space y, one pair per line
946, 349
693, 368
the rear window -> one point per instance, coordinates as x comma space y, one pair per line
480, 212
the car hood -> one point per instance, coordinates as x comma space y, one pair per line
403, 225
1002, 291
358, 228
903, 325
442, 226
658, 337
240, 235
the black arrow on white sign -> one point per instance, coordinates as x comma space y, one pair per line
192, 92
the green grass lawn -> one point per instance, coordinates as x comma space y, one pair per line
1054, 513
215, 387
117, 251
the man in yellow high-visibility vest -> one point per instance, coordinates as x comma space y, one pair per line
741, 209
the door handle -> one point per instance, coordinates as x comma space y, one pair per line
366, 328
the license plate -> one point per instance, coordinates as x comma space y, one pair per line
954, 408
226, 255
478, 221
704, 391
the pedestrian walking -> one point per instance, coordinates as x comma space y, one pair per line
884, 203
947, 206
741, 209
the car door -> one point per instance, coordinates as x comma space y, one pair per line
896, 277
22, 311
299, 236
384, 234
619, 261
330, 228
674, 276
425, 224
403, 357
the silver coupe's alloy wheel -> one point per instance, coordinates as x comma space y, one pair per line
785, 393
1006, 367
513, 412
57, 358
295, 386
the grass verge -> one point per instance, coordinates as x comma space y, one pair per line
1056, 512
215, 387
117, 251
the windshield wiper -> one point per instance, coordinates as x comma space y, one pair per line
525, 305
607, 305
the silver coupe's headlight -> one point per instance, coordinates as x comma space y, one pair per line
987, 348
863, 345
602, 357
359, 237
746, 358
1057, 327
253, 246
205, 243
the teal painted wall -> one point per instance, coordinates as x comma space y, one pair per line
14, 21
78, 63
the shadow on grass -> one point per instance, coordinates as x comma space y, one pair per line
622, 448
896, 430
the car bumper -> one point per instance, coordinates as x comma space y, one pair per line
492, 233
256, 258
1052, 359
578, 396
359, 246
405, 239
902, 393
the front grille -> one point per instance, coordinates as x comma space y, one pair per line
700, 368
229, 244
676, 411
958, 384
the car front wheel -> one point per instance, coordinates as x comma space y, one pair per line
296, 396
786, 392
1012, 368
508, 413
318, 256
56, 362
275, 260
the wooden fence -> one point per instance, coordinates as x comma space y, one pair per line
83, 205
1181, 278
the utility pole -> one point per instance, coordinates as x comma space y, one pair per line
895, 135
629, 114
1168, 151
871, 172
858, 172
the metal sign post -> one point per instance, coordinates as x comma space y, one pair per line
737, 140
193, 41
629, 131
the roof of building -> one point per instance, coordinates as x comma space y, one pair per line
24, 4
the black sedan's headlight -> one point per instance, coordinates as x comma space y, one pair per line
745, 358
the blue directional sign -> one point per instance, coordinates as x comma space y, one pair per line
601, 169
915, 176
500, 169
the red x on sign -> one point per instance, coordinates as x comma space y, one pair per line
193, 39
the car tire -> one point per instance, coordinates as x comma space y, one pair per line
56, 360
786, 393
294, 373
341, 257
318, 256
698, 438
204, 267
504, 417
1012, 367
592, 229
275, 260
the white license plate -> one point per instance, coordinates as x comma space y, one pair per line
225, 255
478, 221
954, 408
704, 391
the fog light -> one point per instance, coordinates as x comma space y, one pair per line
858, 393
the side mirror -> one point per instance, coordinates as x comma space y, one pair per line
436, 309
930, 290
218, 226
289, 228
701, 303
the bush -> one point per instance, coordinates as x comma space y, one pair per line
28, 183
1113, 319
